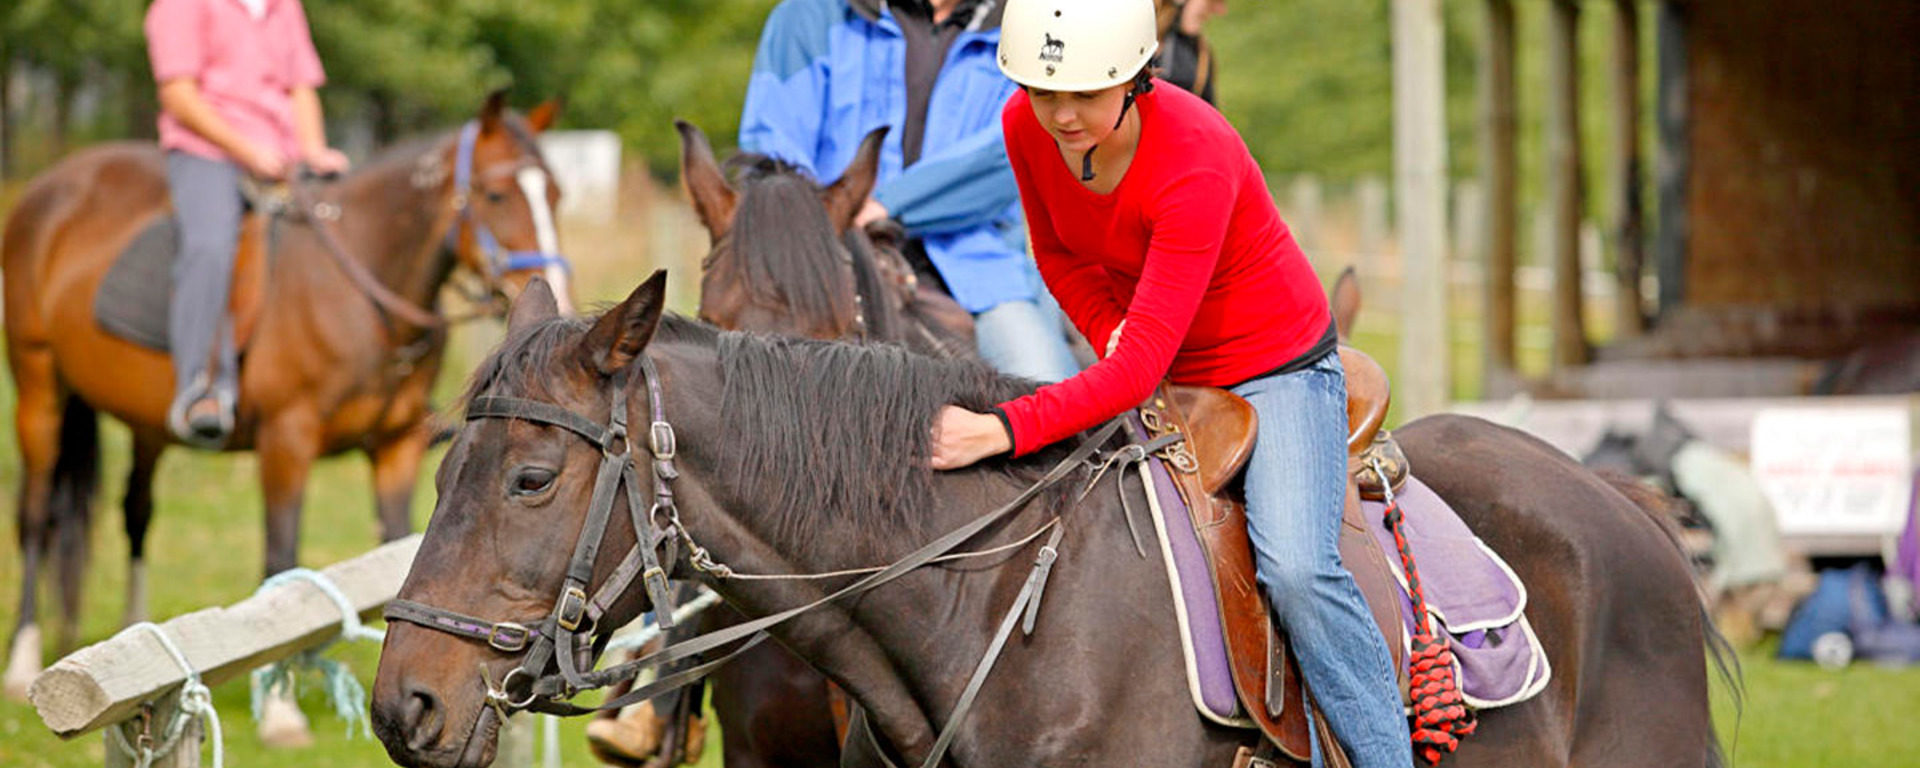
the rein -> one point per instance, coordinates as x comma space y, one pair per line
320, 215
554, 640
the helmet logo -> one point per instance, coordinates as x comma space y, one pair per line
1054, 50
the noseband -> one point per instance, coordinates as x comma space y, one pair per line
657, 529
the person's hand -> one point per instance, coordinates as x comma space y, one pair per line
1113, 339
1196, 13
327, 161
262, 162
962, 437
869, 213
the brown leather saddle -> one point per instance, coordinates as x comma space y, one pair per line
1220, 430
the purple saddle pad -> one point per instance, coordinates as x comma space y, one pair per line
1471, 595
1471, 592
1209, 678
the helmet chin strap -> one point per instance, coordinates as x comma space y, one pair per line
1086, 161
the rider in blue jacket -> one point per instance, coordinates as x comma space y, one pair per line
829, 71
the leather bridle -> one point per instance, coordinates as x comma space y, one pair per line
498, 260
557, 636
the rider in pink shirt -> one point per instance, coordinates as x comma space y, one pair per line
237, 80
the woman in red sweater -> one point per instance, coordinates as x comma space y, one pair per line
1154, 228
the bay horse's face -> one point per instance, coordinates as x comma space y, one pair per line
778, 262
505, 196
513, 501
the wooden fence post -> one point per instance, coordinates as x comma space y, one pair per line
1420, 191
185, 753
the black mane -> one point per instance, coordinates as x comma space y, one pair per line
785, 252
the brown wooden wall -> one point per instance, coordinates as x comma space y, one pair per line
1805, 183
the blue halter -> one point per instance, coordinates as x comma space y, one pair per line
499, 261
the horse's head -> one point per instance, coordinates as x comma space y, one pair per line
779, 261
530, 526
535, 525
504, 198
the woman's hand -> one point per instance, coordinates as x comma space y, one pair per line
261, 162
962, 437
327, 161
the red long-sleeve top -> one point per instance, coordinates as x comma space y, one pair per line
1188, 249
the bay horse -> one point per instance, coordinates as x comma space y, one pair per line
335, 360
775, 456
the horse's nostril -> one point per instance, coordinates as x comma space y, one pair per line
423, 718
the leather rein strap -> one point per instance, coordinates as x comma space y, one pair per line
320, 216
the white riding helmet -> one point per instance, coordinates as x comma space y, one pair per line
1076, 45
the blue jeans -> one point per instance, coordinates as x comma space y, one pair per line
1026, 338
1296, 490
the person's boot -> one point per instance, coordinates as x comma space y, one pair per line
628, 739
204, 419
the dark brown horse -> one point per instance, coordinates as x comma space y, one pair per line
806, 457
334, 362
787, 259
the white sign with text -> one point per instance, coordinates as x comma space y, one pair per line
1835, 470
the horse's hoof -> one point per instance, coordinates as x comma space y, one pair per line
626, 740
282, 725
23, 662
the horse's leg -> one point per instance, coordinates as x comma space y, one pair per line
289, 442
396, 467
37, 426
138, 513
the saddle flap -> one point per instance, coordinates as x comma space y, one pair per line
1221, 428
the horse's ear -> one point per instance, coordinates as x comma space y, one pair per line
494, 111
845, 198
619, 335
1346, 302
543, 117
713, 198
535, 303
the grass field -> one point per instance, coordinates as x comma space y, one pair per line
206, 549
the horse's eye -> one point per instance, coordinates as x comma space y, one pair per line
531, 481
496, 197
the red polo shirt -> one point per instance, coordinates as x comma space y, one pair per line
1188, 250
246, 68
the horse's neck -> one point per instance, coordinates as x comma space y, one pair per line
395, 228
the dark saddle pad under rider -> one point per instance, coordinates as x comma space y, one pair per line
133, 297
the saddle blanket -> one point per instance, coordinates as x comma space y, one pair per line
132, 300
1472, 594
